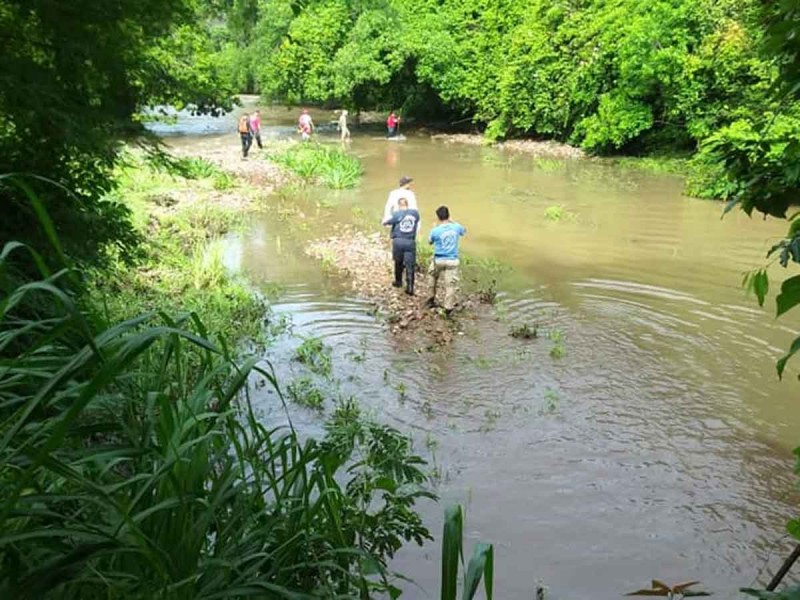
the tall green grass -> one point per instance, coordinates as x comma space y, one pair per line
328, 166
132, 466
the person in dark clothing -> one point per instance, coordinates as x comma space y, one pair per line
404, 223
245, 134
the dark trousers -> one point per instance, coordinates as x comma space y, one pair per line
404, 254
391, 131
256, 135
247, 141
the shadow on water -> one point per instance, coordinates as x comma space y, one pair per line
655, 443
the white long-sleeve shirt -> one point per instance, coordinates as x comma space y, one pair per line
392, 202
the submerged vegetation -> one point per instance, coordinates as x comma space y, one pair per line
331, 167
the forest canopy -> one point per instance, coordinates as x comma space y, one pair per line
631, 75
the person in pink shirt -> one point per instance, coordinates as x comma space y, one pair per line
305, 125
255, 127
391, 124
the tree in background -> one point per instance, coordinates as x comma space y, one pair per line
73, 78
624, 76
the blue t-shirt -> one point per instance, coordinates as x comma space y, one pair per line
404, 224
445, 239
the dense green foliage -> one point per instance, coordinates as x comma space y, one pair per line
760, 156
606, 75
132, 466
73, 78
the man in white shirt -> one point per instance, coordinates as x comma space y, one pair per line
404, 191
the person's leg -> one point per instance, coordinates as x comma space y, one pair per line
397, 257
243, 136
258, 140
410, 261
433, 277
450, 276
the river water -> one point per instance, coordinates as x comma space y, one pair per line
658, 446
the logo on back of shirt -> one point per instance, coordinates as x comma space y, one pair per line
448, 241
407, 224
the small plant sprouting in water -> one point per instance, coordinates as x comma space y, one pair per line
557, 213
675, 592
524, 331
557, 337
402, 391
315, 355
550, 400
305, 393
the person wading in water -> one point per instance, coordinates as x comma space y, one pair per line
391, 125
343, 128
444, 266
404, 223
244, 133
255, 128
305, 125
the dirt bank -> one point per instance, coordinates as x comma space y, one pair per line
547, 149
365, 260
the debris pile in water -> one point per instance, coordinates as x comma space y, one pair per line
365, 260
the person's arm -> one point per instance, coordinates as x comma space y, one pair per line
390, 221
387, 210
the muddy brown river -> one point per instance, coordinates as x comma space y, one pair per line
658, 446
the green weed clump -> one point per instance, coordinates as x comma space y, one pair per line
557, 213
133, 466
524, 331
329, 166
303, 392
315, 355
558, 350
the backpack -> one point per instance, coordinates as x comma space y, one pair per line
243, 125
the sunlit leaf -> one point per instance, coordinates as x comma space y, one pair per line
781, 364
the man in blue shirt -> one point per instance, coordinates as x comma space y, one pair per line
404, 222
444, 266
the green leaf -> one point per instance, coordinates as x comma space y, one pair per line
789, 593
480, 563
781, 364
451, 550
760, 282
789, 296
793, 527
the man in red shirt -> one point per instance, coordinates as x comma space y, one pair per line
391, 124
